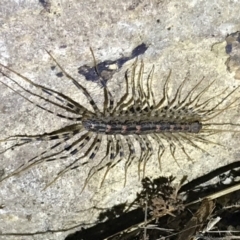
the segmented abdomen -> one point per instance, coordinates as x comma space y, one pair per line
117, 127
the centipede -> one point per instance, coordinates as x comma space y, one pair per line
172, 122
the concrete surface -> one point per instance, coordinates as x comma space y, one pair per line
185, 36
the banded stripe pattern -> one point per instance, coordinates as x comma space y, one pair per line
171, 122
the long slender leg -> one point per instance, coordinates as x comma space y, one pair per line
143, 153
66, 103
136, 102
152, 97
98, 167
172, 146
212, 113
65, 132
108, 102
54, 156
176, 139
177, 97
141, 100
188, 98
201, 108
105, 103
131, 156
79, 86
135, 99
149, 97
203, 140
95, 143
186, 138
134, 105
165, 97
44, 108
133, 73
212, 131
145, 100
119, 150
196, 99
149, 152
161, 149
107, 93
124, 97
112, 155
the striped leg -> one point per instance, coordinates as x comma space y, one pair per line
108, 102
121, 103
130, 158
176, 139
93, 148
150, 99
149, 152
65, 132
169, 139
139, 94
143, 153
66, 102
161, 149
144, 100
56, 155
213, 112
188, 99
187, 139
177, 97
72, 108
79, 86
113, 154
124, 103
165, 98
97, 167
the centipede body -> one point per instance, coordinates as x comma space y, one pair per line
172, 122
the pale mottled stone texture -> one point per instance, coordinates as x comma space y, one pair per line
182, 35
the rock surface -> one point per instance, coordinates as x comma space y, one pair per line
185, 36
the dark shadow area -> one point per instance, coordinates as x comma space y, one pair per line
104, 71
164, 211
